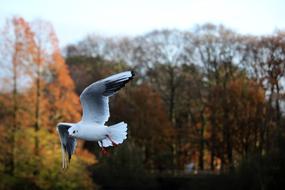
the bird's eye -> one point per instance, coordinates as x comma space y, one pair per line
73, 132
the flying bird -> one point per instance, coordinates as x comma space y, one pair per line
95, 103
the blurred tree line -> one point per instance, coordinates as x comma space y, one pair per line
208, 96
219, 94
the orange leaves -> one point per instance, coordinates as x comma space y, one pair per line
245, 88
41, 94
61, 90
61, 87
149, 110
59, 68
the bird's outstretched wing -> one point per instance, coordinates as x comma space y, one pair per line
95, 98
68, 143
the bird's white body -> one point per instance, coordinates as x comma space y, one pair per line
91, 131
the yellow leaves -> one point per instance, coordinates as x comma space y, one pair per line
51, 175
47, 99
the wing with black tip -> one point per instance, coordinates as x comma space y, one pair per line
95, 98
68, 143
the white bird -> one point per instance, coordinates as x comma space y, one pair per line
95, 103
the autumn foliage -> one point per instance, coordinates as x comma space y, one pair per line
208, 98
42, 94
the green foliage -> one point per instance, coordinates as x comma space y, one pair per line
8, 182
51, 175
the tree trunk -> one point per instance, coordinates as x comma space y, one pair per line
9, 161
213, 141
227, 137
174, 154
277, 105
37, 117
172, 95
202, 143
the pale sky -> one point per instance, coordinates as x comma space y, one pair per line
74, 19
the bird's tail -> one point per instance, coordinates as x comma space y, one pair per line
116, 134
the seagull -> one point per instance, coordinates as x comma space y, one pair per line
95, 103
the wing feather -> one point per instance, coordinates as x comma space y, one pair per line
95, 98
68, 143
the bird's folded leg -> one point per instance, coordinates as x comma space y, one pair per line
104, 152
113, 143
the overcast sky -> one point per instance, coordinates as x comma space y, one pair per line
74, 19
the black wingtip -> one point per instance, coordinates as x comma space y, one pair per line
114, 86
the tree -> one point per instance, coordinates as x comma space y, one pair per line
222, 92
217, 51
150, 128
17, 50
39, 79
61, 87
263, 58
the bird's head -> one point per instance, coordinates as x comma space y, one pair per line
73, 131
